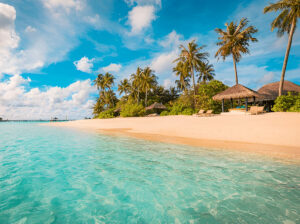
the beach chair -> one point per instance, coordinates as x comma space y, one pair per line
260, 110
253, 110
200, 113
152, 115
209, 113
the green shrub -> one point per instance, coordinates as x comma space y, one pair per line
177, 109
286, 103
188, 111
132, 110
296, 107
180, 108
205, 92
164, 113
107, 114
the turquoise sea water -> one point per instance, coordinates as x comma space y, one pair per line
58, 175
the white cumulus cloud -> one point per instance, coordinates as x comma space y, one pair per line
112, 68
16, 102
84, 64
8, 37
164, 62
140, 17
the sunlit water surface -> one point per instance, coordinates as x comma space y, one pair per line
58, 175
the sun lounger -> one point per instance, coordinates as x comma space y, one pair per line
200, 113
255, 110
152, 115
209, 113
260, 110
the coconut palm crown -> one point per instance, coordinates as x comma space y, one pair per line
124, 87
235, 41
285, 22
108, 81
182, 70
206, 72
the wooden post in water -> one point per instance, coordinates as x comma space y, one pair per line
246, 103
222, 105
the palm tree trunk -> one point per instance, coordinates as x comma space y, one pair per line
138, 96
146, 97
286, 58
192, 71
235, 71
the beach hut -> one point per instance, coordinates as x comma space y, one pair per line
269, 92
237, 91
156, 107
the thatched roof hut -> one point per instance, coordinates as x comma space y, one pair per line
237, 91
156, 105
270, 91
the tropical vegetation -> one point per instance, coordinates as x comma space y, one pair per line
288, 103
195, 84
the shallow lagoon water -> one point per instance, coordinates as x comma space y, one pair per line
59, 175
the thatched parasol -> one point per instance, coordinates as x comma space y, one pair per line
270, 91
156, 105
237, 91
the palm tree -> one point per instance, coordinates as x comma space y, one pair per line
124, 87
193, 57
108, 81
286, 21
108, 99
98, 82
182, 70
148, 82
136, 82
235, 41
207, 72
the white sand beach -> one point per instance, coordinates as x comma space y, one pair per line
274, 134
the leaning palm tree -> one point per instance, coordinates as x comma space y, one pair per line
235, 41
206, 72
286, 21
193, 56
182, 70
124, 87
136, 83
148, 82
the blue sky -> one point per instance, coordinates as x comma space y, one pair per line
50, 50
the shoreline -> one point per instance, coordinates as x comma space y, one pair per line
275, 134
276, 151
